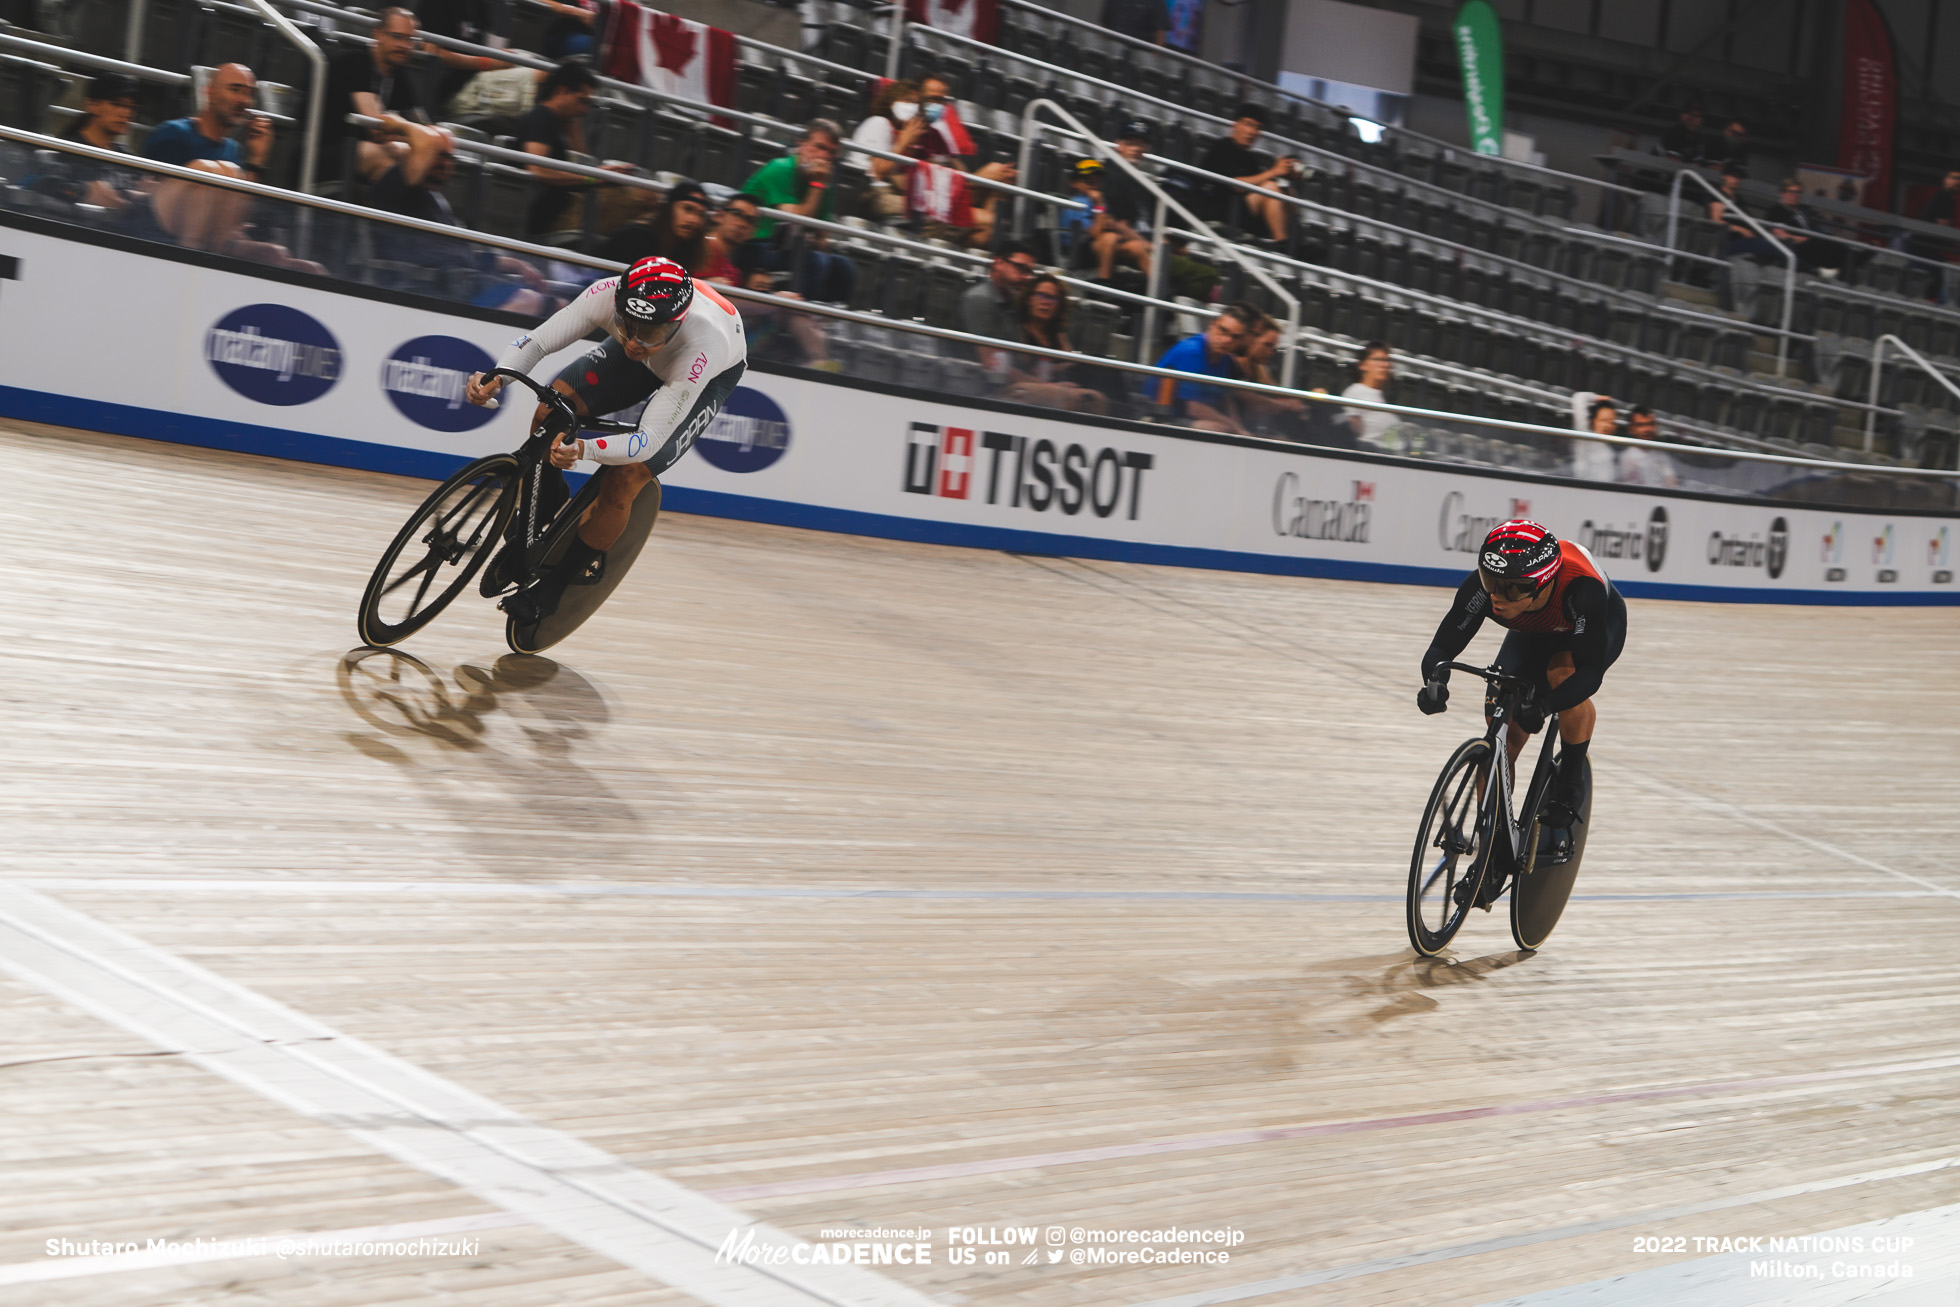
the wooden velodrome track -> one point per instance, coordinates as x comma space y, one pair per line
827, 882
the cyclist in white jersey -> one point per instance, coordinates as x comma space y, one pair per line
668, 338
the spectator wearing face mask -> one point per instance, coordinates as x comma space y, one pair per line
896, 127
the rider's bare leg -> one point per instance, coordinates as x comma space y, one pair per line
619, 485
1575, 724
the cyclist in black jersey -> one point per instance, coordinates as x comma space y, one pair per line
1567, 625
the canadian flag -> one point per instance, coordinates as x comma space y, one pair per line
675, 56
975, 19
940, 194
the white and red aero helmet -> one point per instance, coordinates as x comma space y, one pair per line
1518, 556
652, 293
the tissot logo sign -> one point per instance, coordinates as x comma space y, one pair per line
273, 355
750, 433
425, 379
1460, 531
1305, 517
1039, 475
1607, 540
1769, 552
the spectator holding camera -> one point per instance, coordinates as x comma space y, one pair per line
1233, 155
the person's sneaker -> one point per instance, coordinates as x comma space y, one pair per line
1493, 887
529, 607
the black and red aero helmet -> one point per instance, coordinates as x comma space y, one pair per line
652, 293
1518, 558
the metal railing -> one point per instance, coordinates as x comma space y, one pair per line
541, 252
101, 63
701, 107
1414, 238
1878, 371
1031, 127
1130, 93
1730, 205
316, 96
1246, 81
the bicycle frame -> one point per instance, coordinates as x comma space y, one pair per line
1510, 836
531, 458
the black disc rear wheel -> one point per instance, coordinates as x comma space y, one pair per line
439, 550
1451, 853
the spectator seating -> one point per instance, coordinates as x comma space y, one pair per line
1467, 268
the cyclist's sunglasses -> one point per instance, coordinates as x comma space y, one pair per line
1510, 592
655, 334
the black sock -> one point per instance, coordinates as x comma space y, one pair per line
1571, 770
578, 559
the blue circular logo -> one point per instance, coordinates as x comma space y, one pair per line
273, 354
424, 378
749, 433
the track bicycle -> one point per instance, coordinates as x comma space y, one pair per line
1469, 841
464, 521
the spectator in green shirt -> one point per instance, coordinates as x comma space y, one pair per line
799, 183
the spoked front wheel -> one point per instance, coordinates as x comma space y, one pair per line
439, 550
1452, 851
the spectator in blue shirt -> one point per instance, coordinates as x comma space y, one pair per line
206, 217
1212, 352
213, 218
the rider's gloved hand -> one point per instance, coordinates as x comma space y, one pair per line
1433, 697
566, 451
1531, 712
